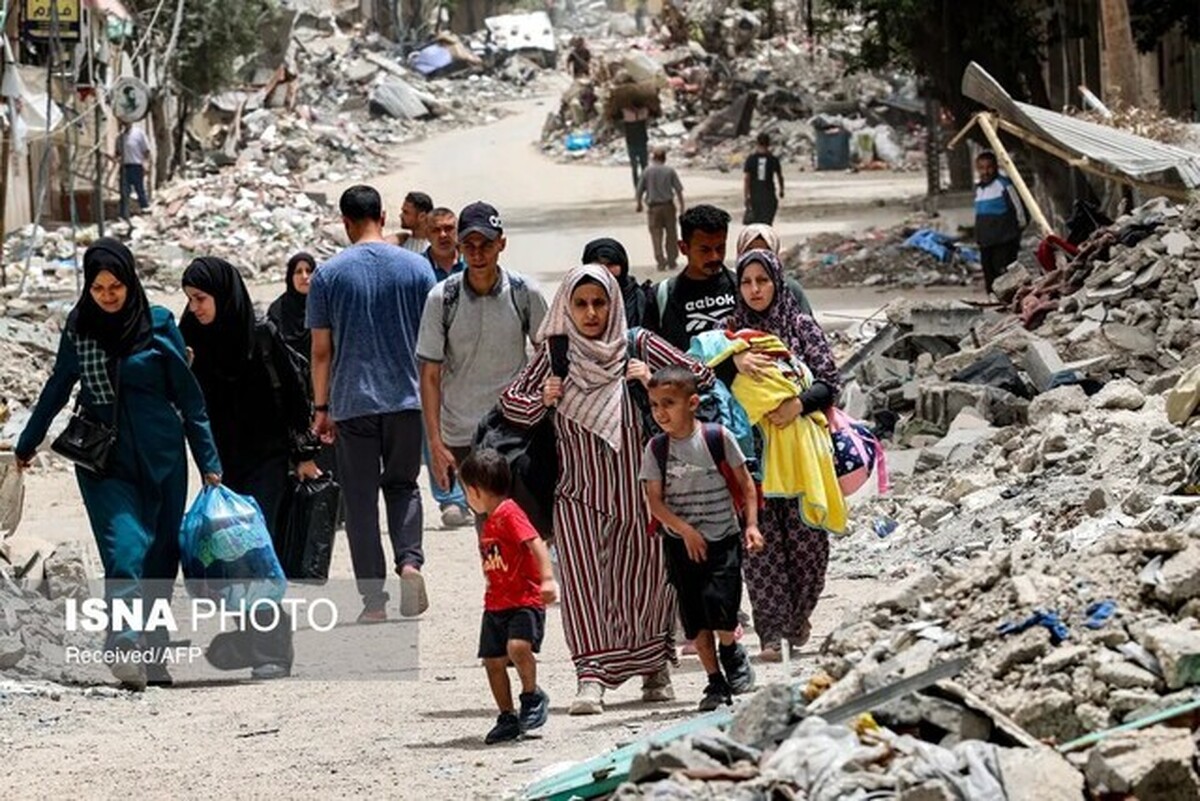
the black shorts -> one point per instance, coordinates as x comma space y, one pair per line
710, 592
522, 623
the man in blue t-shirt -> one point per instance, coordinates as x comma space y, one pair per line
364, 309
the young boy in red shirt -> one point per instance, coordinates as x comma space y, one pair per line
520, 582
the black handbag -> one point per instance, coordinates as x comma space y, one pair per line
304, 542
86, 441
532, 455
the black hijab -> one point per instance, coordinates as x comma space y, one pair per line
120, 333
223, 348
289, 310
613, 252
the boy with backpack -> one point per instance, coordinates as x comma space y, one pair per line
697, 484
516, 565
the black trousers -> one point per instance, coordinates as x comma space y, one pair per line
381, 452
995, 260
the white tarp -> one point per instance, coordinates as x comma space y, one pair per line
517, 32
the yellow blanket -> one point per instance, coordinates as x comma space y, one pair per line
798, 458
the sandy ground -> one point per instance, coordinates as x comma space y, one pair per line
421, 737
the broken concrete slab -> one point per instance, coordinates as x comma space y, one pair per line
1152, 763
1177, 243
1119, 394
1179, 579
1068, 400
395, 98
1043, 364
1038, 774
1006, 285
1136, 341
1177, 649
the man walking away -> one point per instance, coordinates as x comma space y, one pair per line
364, 309
579, 59
474, 332
658, 186
414, 219
135, 152
446, 261
762, 170
1000, 217
637, 139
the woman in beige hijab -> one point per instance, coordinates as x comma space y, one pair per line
618, 611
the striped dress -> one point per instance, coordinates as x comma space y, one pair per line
618, 610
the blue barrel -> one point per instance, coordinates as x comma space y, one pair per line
833, 148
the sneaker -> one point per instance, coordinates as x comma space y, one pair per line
507, 729
716, 694
737, 668
413, 600
535, 708
589, 700
272, 670
369, 616
656, 687
454, 516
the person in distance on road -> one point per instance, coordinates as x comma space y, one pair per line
659, 186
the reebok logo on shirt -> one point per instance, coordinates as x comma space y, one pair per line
700, 318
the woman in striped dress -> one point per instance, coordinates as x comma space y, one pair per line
618, 611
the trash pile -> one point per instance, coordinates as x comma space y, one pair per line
912, 254
711, 79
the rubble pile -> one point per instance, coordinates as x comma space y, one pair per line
712, 84
1127, 303
880, 256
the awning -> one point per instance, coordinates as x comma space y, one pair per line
1085, 144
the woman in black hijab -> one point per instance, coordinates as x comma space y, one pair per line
260, 412
611, 254
129, 358
289, 309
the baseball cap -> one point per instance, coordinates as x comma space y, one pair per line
482, 218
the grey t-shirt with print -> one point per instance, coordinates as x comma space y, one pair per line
694, 487
482, 352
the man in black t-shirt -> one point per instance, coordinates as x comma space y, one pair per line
761, 170
705, 293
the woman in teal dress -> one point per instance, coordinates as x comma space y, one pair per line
122, 349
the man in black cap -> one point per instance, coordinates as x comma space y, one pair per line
473, 339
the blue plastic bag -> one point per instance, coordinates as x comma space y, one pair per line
226, 550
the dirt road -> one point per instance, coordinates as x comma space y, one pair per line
418, 738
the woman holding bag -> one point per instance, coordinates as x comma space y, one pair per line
261, 420
618, 612
129, 358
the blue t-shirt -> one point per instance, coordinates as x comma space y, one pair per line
371, 296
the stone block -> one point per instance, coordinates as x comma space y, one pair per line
1126, 676
1006, 285
1026, 647
1065, 657
1070, 399
66, 572
1152, 763
1179, 580
1049, 714
1043, 364
1177, 649
1038, 774
12, 651
1120, 394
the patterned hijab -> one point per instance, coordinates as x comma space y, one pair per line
757, 231
120, 333
782, 317
594, 389
222, 348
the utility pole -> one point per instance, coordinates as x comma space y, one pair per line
98, 140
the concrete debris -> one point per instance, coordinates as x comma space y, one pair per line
703, 61
880, 257
1153, 763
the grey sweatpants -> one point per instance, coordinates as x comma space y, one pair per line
381, 452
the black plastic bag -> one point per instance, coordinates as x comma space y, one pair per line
305, 544
532, 456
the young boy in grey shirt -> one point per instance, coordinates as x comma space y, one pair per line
697, 483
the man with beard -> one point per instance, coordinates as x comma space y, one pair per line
705, 293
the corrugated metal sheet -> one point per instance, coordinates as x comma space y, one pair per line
1134, 156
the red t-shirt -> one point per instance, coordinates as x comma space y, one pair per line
513, 576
